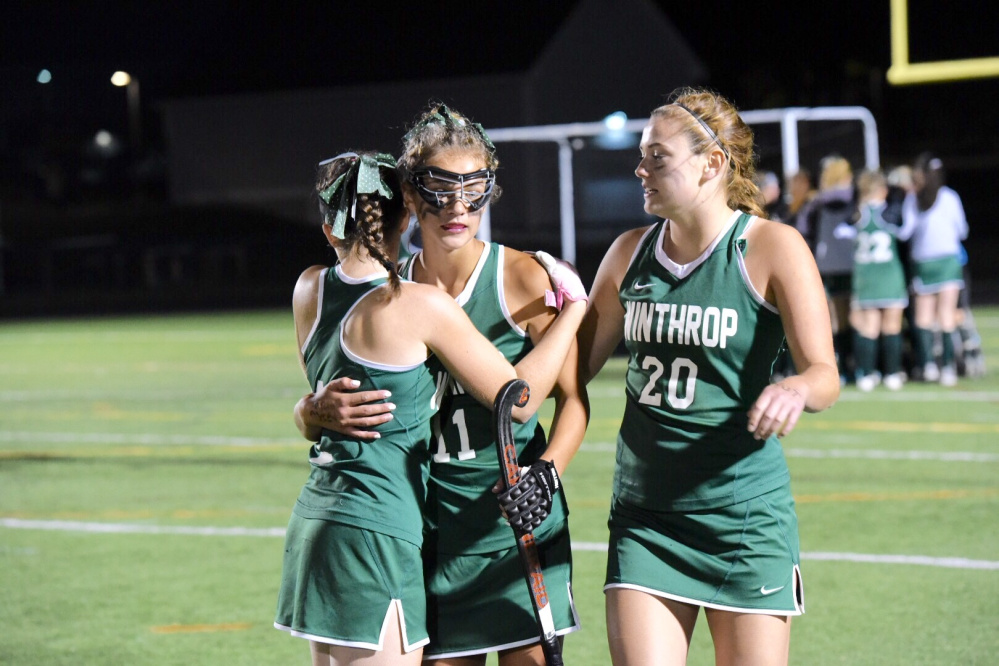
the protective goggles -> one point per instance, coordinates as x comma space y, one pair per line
441, 188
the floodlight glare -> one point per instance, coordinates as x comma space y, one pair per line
616, 121
121, 79
103, 138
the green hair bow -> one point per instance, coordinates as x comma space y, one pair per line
362, 177
445, 117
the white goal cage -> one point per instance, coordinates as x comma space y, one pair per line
798, 136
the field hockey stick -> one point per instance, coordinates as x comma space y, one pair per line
515, 393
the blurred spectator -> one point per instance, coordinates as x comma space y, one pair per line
970, 360
800, 192
828, 227
879, 289
899, 186
774, 206
933, 218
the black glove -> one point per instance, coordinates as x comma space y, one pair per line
529, 502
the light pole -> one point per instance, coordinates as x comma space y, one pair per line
131, 86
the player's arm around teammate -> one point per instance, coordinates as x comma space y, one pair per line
525, 280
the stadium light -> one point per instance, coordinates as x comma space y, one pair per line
131, 86
44, 76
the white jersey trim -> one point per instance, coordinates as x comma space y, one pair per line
363, 645
640, 245
473, 279
501, 292
798, 607
515, 644
319, 310
683, 270
360, 359
757, 296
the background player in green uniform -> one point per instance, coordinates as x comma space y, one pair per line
352, 578
478, 600
934, 223
702, 514
879, 290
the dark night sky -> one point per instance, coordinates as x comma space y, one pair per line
759, 54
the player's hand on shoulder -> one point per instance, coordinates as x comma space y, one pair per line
567, 285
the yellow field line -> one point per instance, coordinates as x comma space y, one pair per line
200, 628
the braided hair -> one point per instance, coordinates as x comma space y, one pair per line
372, 218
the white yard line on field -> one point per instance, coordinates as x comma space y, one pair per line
875, 454
851, 395
149, 440
589, 447
133, 528
278, 532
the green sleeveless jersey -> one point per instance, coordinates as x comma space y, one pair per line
701, 344
379, 485
461, 504
878, 274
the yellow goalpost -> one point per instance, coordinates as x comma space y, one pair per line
902, 72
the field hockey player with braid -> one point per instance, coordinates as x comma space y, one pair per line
477, 597
702, 515
352, 581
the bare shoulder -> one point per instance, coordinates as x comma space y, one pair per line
615, 262
779, 261
305, 301
307, 289
624, 245
523, 276
776, 241
423, 299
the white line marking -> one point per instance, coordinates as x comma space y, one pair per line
131, 396
590, 447
945, 562
920, 396
150, 440
922, 560
617, 392
939, 456
856, 454
131, 528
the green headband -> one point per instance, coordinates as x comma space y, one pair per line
444, 117
363, 175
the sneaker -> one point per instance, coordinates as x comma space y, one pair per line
867, 383
974, 363
948, 376
931, 372
894, 381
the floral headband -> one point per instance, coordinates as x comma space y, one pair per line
445, 117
